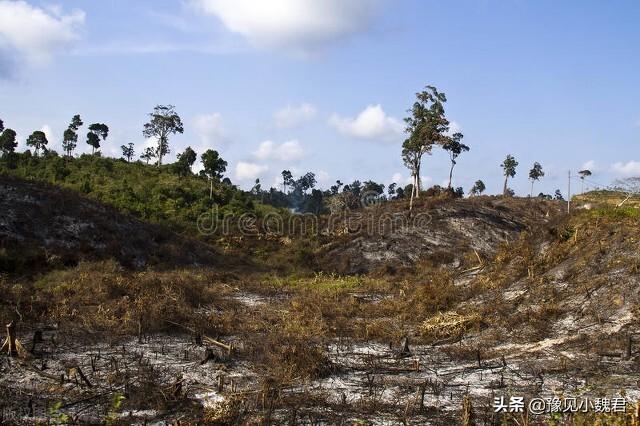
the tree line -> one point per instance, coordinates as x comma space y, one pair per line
427, 127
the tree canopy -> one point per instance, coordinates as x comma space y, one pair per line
97, 132
426, 126
164, 121
509, 166
535, 174
454, 147
37, 140
214, 166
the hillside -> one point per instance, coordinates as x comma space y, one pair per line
156, 194
444, 230
45, 226
467, 298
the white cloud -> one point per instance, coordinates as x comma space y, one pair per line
291, 116
372, 123
628, 169
302, 26
287, 151
210, 130
37, 33
249, 171
590, 165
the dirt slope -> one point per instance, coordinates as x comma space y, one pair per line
442, 230
42, 225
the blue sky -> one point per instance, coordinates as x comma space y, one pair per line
323, 85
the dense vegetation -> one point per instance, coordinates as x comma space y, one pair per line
156, 194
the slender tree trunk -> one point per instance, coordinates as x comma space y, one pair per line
531, 193
413, 190
418, 182
451, 174
211, 188
582, 186
504, 190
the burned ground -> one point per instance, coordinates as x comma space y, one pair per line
548, 307
43, 226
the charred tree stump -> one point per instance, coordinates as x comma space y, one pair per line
404, 350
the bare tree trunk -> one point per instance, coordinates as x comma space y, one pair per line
413, 190
418, 182
451, 174
211, 188
504, 190
531, 193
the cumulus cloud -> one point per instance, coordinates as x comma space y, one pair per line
210, 129
35, 33
302, 26
590, 165
372, 123
628, 169
287, 151
292, 116
246, 171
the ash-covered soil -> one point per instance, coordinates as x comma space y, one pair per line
442, 230
486, 298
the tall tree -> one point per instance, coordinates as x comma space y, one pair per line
426, 127
478, 188
69, 141
454, 147
535, 174
8, 141
70, 136
306, 182
509, 169
164, 122
214, 167
287, 180
583, 174
1, 125
127, 151
148, 154
185, 160
37, 140
97, 132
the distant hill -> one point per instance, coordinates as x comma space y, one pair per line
607, 198
43, 226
